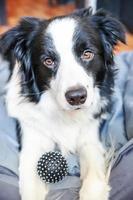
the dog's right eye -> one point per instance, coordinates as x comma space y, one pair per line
87, 55
49, 62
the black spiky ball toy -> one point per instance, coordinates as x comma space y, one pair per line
52, 167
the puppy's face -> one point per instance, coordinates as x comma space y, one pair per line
70, 57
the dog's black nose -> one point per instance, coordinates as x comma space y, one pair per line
76, 96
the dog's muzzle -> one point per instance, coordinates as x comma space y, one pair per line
76, 96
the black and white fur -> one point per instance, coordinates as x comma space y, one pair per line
36, 93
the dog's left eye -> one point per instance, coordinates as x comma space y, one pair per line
87, 55
49, 62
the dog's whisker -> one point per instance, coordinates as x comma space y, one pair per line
32, 93
103, 86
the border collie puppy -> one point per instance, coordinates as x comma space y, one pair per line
60, 88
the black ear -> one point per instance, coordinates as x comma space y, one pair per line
17, 43
84, 12
19, 38
110, 29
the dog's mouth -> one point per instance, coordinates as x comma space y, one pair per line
78, 108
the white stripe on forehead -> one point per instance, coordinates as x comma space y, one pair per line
61, 31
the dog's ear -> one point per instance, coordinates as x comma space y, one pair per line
19, 38
17, 43
84, 12
111, 31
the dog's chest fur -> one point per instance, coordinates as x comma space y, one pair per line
63, 131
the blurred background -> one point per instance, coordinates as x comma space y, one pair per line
12, 10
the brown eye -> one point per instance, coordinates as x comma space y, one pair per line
87, 55
49, 63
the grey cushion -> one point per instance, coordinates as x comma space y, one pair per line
121, 179
128, 96
8, 185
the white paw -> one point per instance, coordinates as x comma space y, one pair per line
94, 191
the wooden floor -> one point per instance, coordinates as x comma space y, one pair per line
40, 8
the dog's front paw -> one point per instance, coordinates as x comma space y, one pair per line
94, 191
